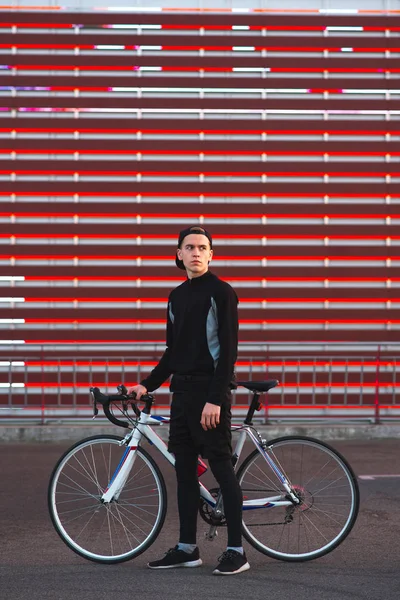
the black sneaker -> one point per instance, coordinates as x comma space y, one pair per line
231, 562
175, 558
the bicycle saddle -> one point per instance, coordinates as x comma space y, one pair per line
259, 386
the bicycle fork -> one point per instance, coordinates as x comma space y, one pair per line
121, 474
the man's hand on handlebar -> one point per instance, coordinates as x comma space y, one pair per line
138, 389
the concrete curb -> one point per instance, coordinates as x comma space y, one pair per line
53, 433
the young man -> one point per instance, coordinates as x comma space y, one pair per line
202, 338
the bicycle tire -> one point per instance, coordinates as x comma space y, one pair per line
106, 533
329, 493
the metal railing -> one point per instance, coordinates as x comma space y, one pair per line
332, 387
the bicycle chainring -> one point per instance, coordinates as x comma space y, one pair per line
206, 511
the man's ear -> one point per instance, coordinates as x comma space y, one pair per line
179, 254
211, 255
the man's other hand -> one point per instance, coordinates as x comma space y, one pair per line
210, 416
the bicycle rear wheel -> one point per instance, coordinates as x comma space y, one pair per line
112, 532
328, 492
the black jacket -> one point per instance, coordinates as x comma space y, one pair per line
202, 335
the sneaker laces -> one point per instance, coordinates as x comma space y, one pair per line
228, 554
172, 550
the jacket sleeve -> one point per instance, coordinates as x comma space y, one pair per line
162, 371
228, 325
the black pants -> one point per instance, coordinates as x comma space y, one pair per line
189, 497
188, 440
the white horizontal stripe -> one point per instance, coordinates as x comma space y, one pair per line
110, 47
355, 91
14, 363
130, 8
12, 299
12, 385
150, 69
342, 28
245, 346
211, 111
243, 48
262, 305
321, 325
216, 90
13, 342
372, 477
11, 320
12, 278
251, 69
347, 11
133, 26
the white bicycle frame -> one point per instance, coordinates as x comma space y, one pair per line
143, 429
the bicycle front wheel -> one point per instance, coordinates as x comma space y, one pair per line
323, 482
112, 532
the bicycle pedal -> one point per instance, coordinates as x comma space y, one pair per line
210, 537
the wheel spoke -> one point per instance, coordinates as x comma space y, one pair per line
327, 491
106, 532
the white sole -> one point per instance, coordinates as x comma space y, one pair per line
191, 563
245, 567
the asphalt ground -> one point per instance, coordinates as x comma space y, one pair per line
36, 565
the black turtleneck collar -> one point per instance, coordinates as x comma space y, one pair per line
201, 278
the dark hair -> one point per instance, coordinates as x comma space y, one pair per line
196, 229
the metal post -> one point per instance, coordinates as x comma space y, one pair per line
377, 404
266, 401
43, 398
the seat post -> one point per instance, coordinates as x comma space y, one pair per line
252, 408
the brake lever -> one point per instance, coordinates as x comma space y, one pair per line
95, 409
125, 403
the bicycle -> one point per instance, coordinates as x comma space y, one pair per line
108, 500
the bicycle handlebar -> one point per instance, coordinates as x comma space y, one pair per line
123, 396
256, 387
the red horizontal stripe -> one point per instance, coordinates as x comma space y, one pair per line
251, 27
334, 407
265, 129
286, 385
219, 257
273, 363
242, 301
118, 344
196, 195
165, 257
215, 237
171, 172
256, 321
197, 26
282, 407
204, 45
37, 25
174, 279
146, 215
86, 341
50, 46
198, 152
178, 69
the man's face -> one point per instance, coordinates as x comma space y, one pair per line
195, 252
